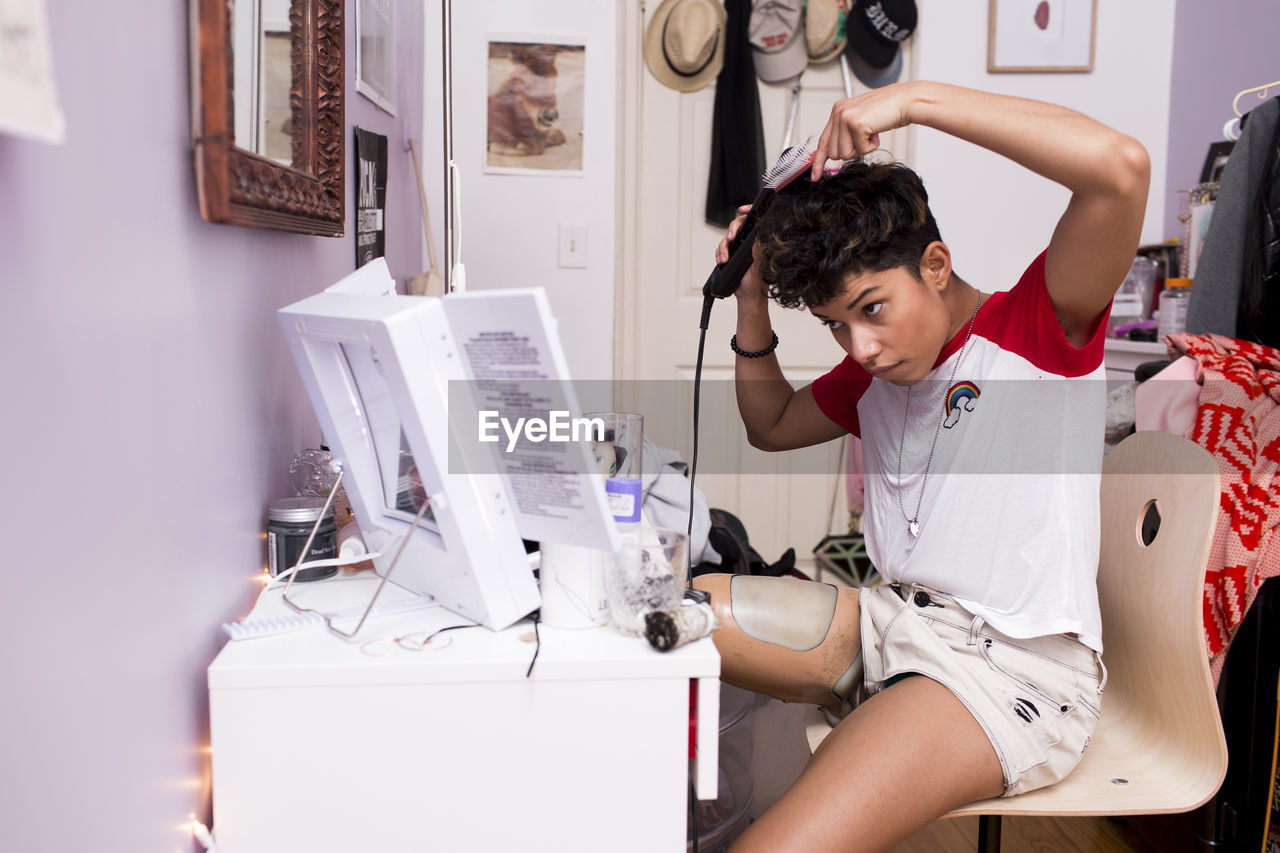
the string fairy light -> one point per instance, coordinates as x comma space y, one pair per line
201, 833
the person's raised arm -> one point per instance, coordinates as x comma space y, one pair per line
1106, 171
776, 416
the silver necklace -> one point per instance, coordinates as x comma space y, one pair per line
913, 521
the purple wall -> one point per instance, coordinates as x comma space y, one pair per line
149, 409
1218, 50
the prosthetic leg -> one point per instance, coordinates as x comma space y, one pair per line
792, 639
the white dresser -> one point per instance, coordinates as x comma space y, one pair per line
321, 745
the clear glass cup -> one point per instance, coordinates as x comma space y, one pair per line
649, 572
618, 449
1132, 302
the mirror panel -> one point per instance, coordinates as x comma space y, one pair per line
267, 157
262, 76
274, 125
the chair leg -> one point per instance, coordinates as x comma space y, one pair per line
989, 833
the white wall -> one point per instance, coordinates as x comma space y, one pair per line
995, 215
510, 222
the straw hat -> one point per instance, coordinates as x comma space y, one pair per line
824, 28
684, 45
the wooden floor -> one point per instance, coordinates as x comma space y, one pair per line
1030, 835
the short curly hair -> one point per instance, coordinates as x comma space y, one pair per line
868, 217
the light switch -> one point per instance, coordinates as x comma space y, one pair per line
573, 245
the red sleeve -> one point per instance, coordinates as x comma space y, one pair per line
1022, 321
838, 391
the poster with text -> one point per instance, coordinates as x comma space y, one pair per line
371, 196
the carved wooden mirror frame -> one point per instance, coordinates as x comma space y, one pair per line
240, 187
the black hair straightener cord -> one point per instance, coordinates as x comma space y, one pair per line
723, 282
726, 277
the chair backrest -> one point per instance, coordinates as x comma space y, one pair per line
1151, 594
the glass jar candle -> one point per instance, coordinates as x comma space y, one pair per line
289, 523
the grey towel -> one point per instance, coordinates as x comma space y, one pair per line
665, 503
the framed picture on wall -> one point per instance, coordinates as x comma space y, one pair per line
1215, 161
535, 113
371, 196
1040, 35
376, 52
1199, 213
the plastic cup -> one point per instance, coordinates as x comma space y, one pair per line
649, 572
572, 584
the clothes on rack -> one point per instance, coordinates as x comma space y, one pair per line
1238, 421
1237, 283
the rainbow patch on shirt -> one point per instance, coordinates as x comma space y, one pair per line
959, 400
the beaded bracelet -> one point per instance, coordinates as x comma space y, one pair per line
733, 345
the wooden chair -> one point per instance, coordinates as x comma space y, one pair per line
1158, 747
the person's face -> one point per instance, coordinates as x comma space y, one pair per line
890, 323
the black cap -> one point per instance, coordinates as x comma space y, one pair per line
877, 28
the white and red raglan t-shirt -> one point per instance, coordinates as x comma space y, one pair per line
1009, 521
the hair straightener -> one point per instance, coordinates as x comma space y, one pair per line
726, 277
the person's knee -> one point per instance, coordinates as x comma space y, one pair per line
716, 584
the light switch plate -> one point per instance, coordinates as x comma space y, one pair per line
573, 245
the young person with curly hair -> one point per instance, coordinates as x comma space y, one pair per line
981, 419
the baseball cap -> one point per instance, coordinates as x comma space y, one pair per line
777, 40
875, 31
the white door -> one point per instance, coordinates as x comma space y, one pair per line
667, 251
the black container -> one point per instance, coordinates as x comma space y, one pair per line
289, 523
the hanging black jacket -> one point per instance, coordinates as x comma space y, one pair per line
1258, 318
1234, 292
737, 135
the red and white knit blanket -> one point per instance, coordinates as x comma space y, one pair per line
1238, 421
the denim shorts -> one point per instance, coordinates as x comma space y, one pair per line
1037, 699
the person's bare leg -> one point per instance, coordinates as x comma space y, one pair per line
792, 639
902, 759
